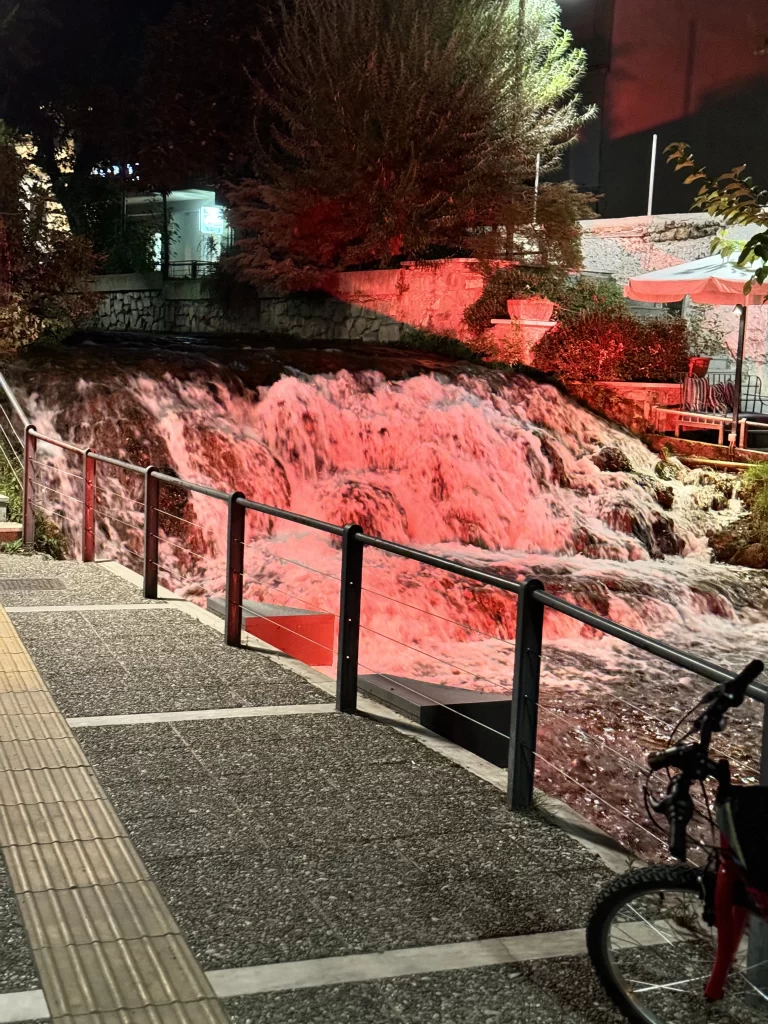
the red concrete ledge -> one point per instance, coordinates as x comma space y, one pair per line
303, 634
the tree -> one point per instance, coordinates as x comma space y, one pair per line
42, 266
71, 90
408, 129
195, 96
736, 200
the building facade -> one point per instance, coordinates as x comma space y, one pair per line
691, 71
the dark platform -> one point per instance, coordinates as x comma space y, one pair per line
476, 721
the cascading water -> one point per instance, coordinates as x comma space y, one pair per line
482, 467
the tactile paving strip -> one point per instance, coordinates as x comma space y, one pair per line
107, 949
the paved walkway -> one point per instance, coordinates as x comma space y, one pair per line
289, 865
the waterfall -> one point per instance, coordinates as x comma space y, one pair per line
491, 469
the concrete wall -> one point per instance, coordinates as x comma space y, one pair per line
373, 306
689, 70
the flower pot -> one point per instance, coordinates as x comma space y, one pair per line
698, 366
535, 308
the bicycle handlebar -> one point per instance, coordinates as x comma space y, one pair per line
692, 759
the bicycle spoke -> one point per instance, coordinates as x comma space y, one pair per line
659, 952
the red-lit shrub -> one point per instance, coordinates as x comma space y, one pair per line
606, 345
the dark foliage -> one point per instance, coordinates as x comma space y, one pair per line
397, 129
605, 345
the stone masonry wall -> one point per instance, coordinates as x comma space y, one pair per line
372, 306
158, 312
378, 305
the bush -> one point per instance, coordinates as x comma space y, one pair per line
399, 128
605, 345
754, 494
49, 540
581, 295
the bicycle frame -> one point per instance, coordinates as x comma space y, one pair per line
730, 920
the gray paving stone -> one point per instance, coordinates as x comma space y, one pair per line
521, 885
378, 900
107, 663
83, 584
336, 740
573, 983
107, 742
500, 995
337, 1004
245, 821
237, 909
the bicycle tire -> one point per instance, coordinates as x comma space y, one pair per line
617, 893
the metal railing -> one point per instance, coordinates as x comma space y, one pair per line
532, 597
191, 269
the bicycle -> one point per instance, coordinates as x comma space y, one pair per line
670, 944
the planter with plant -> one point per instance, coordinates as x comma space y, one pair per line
522, 292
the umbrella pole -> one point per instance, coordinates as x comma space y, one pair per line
734, 438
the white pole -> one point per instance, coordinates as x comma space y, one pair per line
536, 187
653, 174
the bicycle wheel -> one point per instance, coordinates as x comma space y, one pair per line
653, 952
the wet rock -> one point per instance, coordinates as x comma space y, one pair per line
727, 542
612, 460
753, 556
665, 539
665, 496
719, 502
669, 469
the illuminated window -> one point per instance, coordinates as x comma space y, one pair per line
212, 220
157, 250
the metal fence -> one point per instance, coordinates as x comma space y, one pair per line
192, 269
532, 597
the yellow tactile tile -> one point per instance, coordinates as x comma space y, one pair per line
49, 786
58, 823
13, 680
202, 1011
33, 726
104, 976
20, 755
101, 913
63, 865
11, 644
35, 702
107, 948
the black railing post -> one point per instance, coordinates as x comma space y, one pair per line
525, 697
89, 531
757, 947
151, 532
235, 566
349, 619
28, 525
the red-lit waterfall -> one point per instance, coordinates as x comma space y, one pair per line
480, 467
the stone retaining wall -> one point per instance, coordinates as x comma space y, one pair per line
378, 305
372, 306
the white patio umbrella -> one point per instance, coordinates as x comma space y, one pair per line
712, 281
